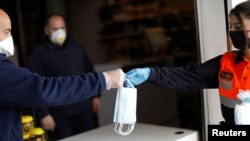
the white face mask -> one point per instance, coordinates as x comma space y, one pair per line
58, 37
125, 110
7, 46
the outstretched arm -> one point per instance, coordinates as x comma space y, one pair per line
20, 87
189, 77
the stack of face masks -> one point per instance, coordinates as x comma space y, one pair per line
242, 110
125, 110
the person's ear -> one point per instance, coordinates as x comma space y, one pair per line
46, 31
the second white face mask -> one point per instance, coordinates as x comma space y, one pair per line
241, 111
58, 37
7, 46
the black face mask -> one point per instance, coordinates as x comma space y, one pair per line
238, 38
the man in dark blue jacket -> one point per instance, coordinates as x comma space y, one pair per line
60, 55
20, 88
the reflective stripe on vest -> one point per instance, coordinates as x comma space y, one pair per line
228, 102
233, 77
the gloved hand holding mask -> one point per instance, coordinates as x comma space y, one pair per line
137, 76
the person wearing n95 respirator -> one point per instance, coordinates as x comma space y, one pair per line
57, 55
56, 31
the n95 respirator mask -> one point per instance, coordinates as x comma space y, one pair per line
58, 37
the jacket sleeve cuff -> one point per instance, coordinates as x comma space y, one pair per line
153, 75
107, 80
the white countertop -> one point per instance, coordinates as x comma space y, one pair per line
141, 132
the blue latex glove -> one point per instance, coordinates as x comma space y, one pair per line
137, 76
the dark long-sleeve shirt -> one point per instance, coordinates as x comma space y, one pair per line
192, 77
188, 77
21, 88
69, 59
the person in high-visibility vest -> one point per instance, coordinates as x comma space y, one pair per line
229, 72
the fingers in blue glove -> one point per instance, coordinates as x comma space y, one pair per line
132, 73
138, 75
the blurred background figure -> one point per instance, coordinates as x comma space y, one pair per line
60, 55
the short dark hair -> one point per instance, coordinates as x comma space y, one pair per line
243, 8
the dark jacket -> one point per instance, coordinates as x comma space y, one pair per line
20, 88
193, 77
69, 59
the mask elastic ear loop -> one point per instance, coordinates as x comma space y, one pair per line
129, 130
116, 128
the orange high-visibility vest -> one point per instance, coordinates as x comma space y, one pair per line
232, 78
